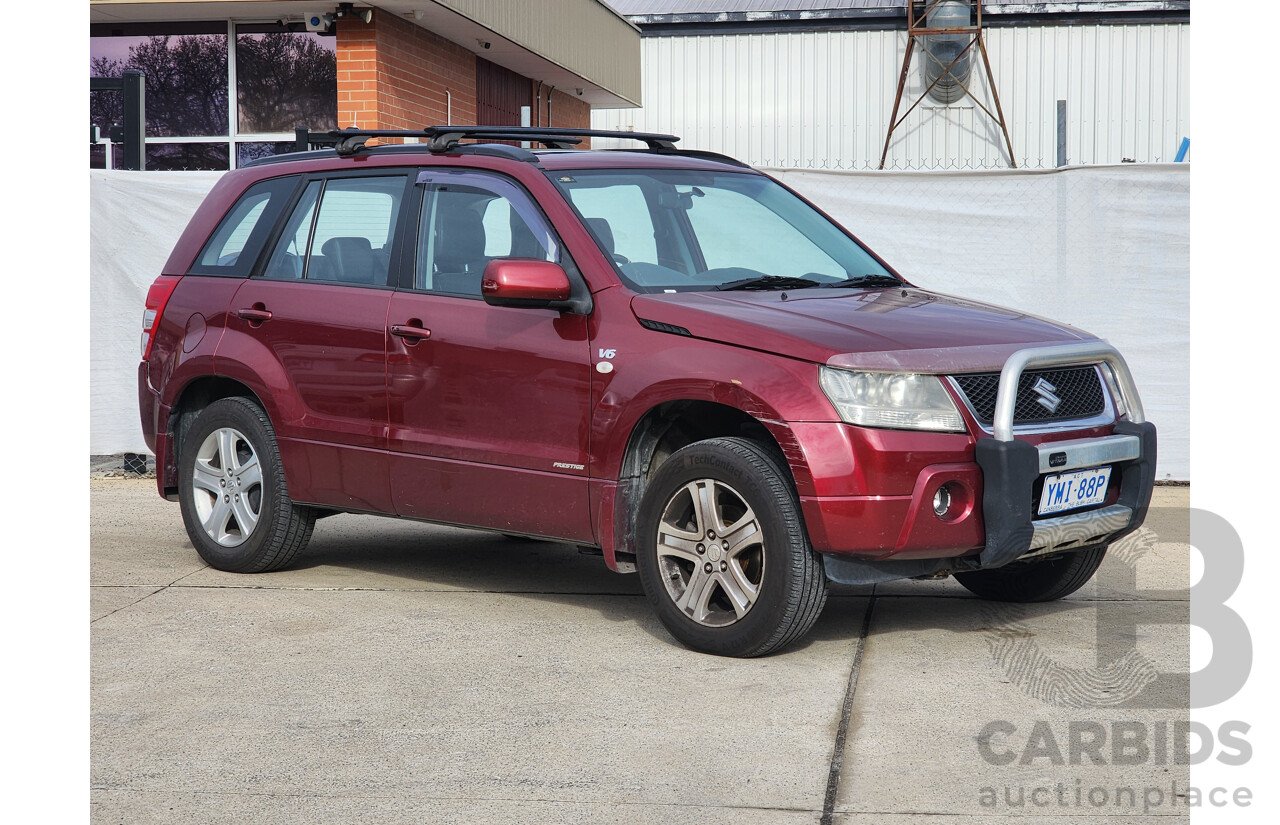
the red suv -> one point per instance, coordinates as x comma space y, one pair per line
660, 353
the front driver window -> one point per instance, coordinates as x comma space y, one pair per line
465, 225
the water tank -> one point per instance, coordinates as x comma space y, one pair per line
941, 49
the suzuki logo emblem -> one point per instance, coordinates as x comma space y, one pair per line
1047, 399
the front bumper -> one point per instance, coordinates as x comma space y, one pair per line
1008, 470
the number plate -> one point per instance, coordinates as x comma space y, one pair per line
1082, 488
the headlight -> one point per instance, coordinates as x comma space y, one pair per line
900, 402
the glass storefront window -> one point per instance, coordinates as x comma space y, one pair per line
188, 156
253, 150
186, 73
285, 80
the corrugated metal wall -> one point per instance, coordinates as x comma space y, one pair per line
822, 100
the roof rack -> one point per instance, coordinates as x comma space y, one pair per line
442, 139
446, 138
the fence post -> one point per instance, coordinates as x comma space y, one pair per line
135, 120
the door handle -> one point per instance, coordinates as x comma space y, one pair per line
411, 334
254, 315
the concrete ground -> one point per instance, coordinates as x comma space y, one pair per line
403, 672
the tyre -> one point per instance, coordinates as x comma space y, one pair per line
232, 491
723, 554
1035, 581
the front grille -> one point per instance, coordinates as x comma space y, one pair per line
1078, 388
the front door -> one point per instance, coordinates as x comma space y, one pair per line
488, 406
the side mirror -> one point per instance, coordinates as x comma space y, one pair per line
524, 282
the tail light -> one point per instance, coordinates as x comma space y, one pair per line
157, 297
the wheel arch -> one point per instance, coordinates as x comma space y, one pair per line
661, 430
197, 394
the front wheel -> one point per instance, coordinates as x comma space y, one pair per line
723, 554
1035, 581
231, 487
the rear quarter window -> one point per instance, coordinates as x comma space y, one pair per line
239, 238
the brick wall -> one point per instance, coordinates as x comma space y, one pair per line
567, 110
562, 110
393, 74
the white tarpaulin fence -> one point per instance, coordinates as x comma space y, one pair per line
135, 219
1106, 248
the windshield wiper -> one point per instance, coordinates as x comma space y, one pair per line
769, 282
866, 281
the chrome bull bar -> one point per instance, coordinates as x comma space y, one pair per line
1011, 466
1068, 355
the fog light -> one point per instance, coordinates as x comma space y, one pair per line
942, 501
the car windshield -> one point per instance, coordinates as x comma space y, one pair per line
672, 230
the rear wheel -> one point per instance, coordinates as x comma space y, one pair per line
723, 554
231, 487
1035, 581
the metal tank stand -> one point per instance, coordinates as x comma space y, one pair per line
918, 27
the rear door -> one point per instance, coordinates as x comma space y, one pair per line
312, 327
488, 406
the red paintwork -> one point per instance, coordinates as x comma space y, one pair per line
497, 416
480, 413
321, 374
819, 324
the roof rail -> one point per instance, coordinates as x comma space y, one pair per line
694, 153
444, 138
553, 138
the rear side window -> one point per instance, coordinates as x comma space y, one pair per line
238, 240
347, 239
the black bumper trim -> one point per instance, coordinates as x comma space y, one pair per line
1010, 469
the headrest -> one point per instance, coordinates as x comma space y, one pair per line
352, 259
461, 239
602, 231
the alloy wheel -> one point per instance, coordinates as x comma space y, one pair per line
710, 552
227, 482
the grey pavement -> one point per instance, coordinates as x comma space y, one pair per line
405, 672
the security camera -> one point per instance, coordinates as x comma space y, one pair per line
487, 44
320, 23
348, 9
